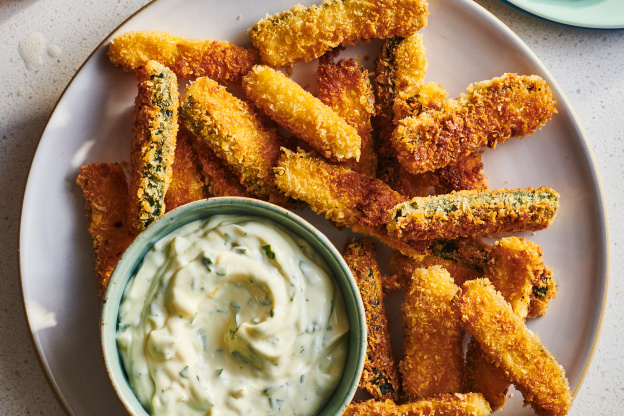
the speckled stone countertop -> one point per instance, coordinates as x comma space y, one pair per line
46, 41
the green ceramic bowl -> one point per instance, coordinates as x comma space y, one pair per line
241, 206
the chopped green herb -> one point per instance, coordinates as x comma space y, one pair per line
184, 373
267, 250
219, 371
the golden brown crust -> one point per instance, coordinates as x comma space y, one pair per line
304, 33
105, 191
380, 377
464, 173
490, 113
219, 60
186, 181
152, 146
301, 113
345, 197
513, 347
470, 404
345, 87
472, 213
219, 178
236, 134
433, 359
483, 376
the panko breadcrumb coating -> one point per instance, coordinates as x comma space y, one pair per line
380, 377
433, 359
218, 176
105, 191
345, 197
464, 173
186, 184
345, 87
153, 142
471, 213
469, 404
302, 114
508, 343
304, 33
236, 134
219, 60
490, 113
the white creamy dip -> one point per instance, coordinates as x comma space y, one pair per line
232, 316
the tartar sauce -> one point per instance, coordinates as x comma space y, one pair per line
232, 315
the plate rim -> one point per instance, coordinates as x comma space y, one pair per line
564, 22
604, 259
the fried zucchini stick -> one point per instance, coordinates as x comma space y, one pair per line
345, 197
380, 377
344, 86
153, 142
468, 213
401, 66
218, 176
433, 360
186, 181
105, 191
470, 404
304, 33
236, 134
219, 60
508, 343
490, 113
301, 113
464, 259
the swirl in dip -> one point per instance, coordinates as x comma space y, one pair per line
232, 315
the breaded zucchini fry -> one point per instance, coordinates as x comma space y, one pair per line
544, 289
469, 213
433, 360
154, 131
218, 176
512, 271
186, 181
345, 197
507, 342
301, 113
464, 173
470, 404
235, 133
344, 86
106, 195
490, 113
380, 377
219, 60
304, 33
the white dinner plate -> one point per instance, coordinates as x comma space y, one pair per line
92, 123
595, 14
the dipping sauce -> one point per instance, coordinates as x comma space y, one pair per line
232, 315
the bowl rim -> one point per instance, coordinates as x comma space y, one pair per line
202, 209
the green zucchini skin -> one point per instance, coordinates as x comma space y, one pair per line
471, 213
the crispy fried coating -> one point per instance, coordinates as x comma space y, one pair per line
400, 91
302, 114
105, 191
236, 134
219, 178
470, 213
380, 377
186, 184
345, 197
512, 271
345, 87
219, 60
464, 173
470, 404
433, 360
544, 289
153, 142
507, 341
490, 113
304, 33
